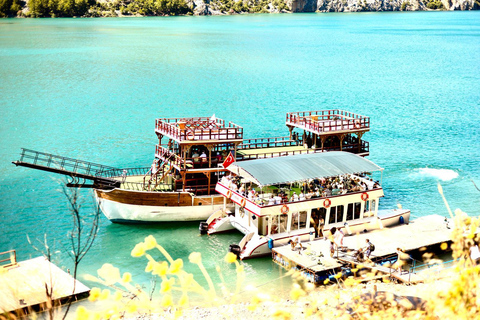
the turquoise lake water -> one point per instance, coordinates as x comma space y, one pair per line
92, 88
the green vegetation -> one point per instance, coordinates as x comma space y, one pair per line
435, 5
113, 8
10, 8
405, 6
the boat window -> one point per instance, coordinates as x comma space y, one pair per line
279, 224
299, 220
353, 211
336, 214
282, 222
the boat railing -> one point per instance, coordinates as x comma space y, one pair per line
268, 143
263, 155
165, 154
123, 174
326, 121
198, 129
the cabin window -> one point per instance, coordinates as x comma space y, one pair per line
279, 224
299, 220
336, 214
353, 211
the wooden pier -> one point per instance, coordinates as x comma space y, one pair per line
23, 285
316, 264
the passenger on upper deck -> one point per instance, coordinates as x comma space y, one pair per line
271, 200
278, 199
203, 156
301, 197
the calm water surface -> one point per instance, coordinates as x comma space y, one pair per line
92, 88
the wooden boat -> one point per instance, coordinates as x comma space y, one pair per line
180, 183
343, 197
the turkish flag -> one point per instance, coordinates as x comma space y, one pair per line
228, 161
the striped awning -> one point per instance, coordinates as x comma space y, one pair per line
289, 169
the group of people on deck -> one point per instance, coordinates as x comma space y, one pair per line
317, 188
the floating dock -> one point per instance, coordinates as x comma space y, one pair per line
23, 285
316, 264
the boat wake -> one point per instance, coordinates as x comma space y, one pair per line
440, 174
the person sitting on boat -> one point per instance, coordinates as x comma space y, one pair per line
242, 190
317, 192
301, 197
278, 199
310, 194
271, 200
203, 156
294, 197
195, 156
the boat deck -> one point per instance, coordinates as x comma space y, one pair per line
23, 285
423, 232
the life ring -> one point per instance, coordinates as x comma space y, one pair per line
285, 209
229, 194
356, 124
243, 202
190, 135
327, 203
364, 196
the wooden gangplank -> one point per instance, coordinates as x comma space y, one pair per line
23, 286
77, 169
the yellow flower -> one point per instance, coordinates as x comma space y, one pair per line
82, 313
183, 301
127, 277
282, 314
117, 296
230, 257
195, 257
326, 281
139, 250
167, 285
109, 273
94, 294
160, 268
296, 293
149, 266
167, 301
150, 242
104, 295
131, 308
176, 266
338, 275
444, 246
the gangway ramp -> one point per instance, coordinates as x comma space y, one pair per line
77, 169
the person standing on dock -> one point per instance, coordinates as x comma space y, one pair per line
369, 247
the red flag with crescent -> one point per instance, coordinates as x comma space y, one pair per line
228, 161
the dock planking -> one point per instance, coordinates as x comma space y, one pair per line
23, 285
315, 259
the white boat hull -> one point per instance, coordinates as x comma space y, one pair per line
124, 213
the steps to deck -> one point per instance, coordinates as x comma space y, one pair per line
77, 169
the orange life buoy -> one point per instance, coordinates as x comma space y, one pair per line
356, 123
243, 202
190, 135
364, 196
327, 203
285, 209
229, 194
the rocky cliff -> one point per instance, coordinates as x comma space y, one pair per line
207, 7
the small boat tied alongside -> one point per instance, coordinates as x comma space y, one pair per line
180, 183
301, 196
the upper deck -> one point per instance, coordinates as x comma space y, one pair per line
199, 130
328, 122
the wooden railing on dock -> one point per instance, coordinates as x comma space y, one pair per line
10, 261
